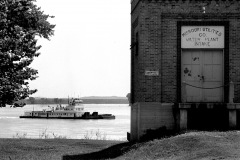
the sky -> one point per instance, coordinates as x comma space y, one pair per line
89, 54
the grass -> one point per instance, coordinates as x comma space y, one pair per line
90, 135
43, 135
188, 146
48, 149
95, 135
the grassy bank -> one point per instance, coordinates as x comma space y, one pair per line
48, 149
188, 146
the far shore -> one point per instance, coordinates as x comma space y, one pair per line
86, 100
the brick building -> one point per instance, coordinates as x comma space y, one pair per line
185, 61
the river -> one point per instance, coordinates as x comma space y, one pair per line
11, 126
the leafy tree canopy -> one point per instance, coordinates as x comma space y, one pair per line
21, 22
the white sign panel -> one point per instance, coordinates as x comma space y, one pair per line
151, 73
202, 37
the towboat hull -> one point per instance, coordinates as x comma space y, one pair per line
85, 116
100, 117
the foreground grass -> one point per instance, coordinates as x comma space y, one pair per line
188, 146
48, 149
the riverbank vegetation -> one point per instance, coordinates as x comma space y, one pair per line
45, 134
187, 146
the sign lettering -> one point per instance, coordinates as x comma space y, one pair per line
202, 37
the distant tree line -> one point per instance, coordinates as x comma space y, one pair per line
33, 100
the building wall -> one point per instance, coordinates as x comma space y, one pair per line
156, 22
234, 56
134, 30
146, 116
157, 29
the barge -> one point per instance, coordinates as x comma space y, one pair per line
74, 110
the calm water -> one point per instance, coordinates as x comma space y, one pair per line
11, 124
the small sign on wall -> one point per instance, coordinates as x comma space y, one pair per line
151, 73
202, 37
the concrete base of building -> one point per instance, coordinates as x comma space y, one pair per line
183, 116
145, 116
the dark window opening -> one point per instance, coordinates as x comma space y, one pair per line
136, 44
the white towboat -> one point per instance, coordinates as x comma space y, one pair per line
74, 110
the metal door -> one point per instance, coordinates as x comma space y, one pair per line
202, 76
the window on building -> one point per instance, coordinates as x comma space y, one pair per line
136, 44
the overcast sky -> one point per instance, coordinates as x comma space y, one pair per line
89, 55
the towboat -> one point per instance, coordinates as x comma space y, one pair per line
74, 110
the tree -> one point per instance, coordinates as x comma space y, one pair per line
21, 23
